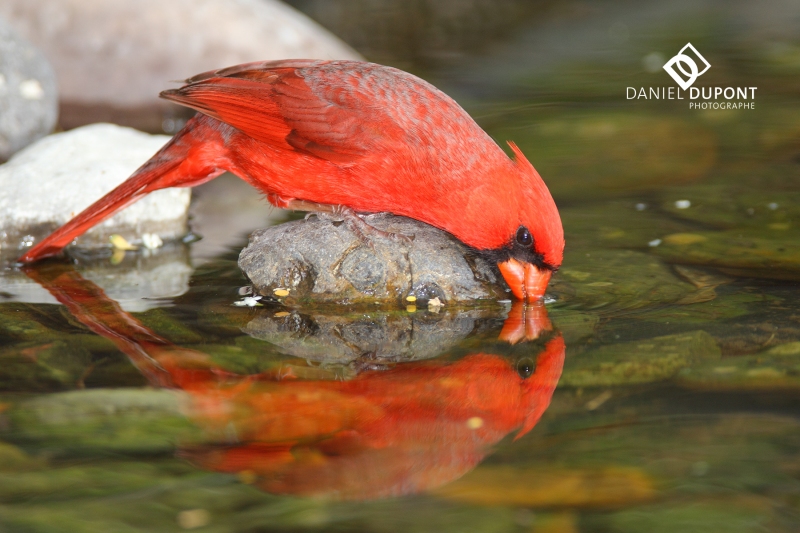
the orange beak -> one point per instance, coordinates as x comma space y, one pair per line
528, 282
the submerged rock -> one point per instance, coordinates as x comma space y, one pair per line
43, 366
53, 180
118, 420
772, 208
28, 95
775, 369
155, 42
319, 260
575, 326
773, 255
19, 322
755, 215
643, 361
694, 458
689, 515
615, 280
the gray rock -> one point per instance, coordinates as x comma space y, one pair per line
113, 57
366, 338
48, 183
321, 261
28, 94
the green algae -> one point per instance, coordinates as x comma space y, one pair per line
616, 280
43, 366
112, 420
14, 459
777, 368
719, 205
239, 359
700, 456
19, 321
228, 508
730, 305
735, 252
161, 322
576, 326
692, 517
644, 361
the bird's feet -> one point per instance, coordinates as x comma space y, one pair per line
355, 222
371, 361
363, 230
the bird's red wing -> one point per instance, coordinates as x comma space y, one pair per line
246, 105
255, 66
274, 104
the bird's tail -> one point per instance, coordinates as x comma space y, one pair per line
194, 156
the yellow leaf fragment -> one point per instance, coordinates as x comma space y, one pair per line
119, 243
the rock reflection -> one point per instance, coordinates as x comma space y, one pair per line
414, 427
366, 338
375, 338
137, 282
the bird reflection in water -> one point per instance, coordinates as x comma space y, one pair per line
410, 428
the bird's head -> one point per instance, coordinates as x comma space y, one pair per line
539, 381
535, 248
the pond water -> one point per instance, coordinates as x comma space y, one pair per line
658, 389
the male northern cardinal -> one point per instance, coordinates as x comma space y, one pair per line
348, 137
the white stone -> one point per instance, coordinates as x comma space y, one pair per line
124, 53
51, 181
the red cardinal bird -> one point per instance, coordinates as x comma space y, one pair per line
348, 137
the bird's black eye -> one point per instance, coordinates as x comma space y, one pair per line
526, 367
524, 236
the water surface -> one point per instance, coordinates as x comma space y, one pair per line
137, 397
